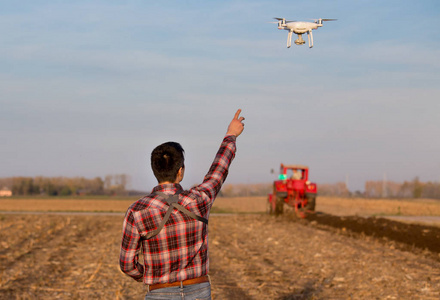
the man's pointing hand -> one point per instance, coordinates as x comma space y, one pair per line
236, 126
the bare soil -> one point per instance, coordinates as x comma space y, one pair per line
408, 236
263, 257
252, 256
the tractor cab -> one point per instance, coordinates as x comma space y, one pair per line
294, 172
293, 178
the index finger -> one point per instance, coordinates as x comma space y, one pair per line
237, 114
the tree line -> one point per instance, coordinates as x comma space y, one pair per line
67, 186
407, 189
373, 189
117, 185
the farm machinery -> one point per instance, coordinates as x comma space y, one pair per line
294, 189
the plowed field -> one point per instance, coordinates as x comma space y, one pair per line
253, 256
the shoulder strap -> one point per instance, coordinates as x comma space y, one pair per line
172, 202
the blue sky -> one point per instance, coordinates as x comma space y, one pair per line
89, 88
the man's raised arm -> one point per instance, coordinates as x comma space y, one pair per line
220, 166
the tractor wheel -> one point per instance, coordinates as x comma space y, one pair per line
311, 202
279, 206
269, 208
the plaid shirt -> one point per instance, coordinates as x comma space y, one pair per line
180, 250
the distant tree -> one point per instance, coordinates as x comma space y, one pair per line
246, 190
65, 191
97, 186
417, 188
431, 190
381, 188
116, 184
6, 183
227, 190
338, 189
108, 181
359, 194
408, 189
53, 186
23, 186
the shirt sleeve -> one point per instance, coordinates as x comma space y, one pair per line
218, 171
130, 248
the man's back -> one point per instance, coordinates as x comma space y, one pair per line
179, 250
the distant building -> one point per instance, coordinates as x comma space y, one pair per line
5, 192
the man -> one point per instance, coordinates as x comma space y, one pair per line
170, 224
296, 175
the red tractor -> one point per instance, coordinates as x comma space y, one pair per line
293, 188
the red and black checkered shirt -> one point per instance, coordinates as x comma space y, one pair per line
180, 250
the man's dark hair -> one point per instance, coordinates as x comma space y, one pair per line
166, 160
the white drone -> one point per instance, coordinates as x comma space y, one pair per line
300, 28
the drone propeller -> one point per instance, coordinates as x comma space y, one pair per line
319, 21
287, 21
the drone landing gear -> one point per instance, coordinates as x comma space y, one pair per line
310, 36
289, 39
299, 40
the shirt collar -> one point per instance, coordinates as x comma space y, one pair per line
168, 188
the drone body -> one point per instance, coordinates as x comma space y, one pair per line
300, 28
